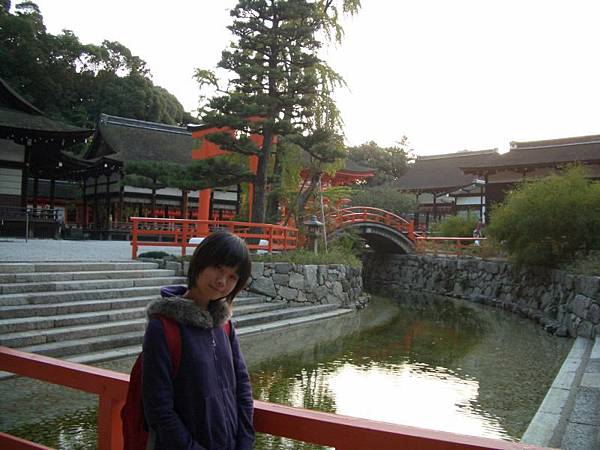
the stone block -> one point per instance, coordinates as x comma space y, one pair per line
579, 437
310, 276
588, 286
585, 329
302, 298
264, 285
283, 267
321, 292
258, 269
338, 290
281, 279
580, 305
174, 266
288, 293
296, 281
587, 404
593, 314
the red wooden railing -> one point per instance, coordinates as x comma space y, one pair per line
448, 245
146, 231
341, 432
361, 214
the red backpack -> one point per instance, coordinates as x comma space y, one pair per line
135, 430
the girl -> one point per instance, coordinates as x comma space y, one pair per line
208, 404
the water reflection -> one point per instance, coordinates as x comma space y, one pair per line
435, 363
412, 394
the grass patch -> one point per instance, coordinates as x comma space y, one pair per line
334, 256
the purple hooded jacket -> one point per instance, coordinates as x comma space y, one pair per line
209, 405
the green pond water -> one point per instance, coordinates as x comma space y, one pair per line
418, 360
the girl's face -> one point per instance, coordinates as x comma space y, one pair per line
216, 282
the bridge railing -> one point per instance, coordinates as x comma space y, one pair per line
361, 214
340, 432
449, 245
159, 232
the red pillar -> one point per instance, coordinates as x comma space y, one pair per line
203, 209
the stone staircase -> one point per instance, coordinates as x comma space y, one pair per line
95, 311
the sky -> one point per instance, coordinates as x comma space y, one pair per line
449, 75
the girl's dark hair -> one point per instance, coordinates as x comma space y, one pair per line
221, 248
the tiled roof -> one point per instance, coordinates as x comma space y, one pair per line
585, 149
20, 120
353, 166
123, 139
442, 172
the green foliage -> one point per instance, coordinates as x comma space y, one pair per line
348, 241
585, 263
385, 197
545, 222
390, 163
335, 256
455, 226
278, 86
75, 82
155, 255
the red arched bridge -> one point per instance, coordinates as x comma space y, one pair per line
383, 231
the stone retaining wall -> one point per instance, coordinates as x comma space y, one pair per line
565, 304
309, 284
297, 283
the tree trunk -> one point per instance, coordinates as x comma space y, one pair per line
260, 181
184, 204
153, 199
304, 196
274, 196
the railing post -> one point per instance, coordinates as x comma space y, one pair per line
184, 237
270, 239
110, 435
134, 238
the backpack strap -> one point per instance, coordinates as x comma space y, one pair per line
227, 328
173, 336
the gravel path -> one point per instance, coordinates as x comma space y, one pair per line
17, 250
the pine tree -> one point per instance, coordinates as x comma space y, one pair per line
278, 84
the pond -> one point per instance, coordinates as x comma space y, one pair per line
418, 360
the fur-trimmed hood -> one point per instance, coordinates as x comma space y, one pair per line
186, 312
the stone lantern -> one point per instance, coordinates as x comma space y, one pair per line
313, 227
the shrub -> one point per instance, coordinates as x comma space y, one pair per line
456, 226
585, 264
154, 255
546, 222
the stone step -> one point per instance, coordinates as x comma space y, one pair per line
74, 307
288, 322
45, 277
10, 327
40, 338
24, 311
80, 266
134, 350
45, 298
84, 285
82, 346
282, 314
30, 323
29, 339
